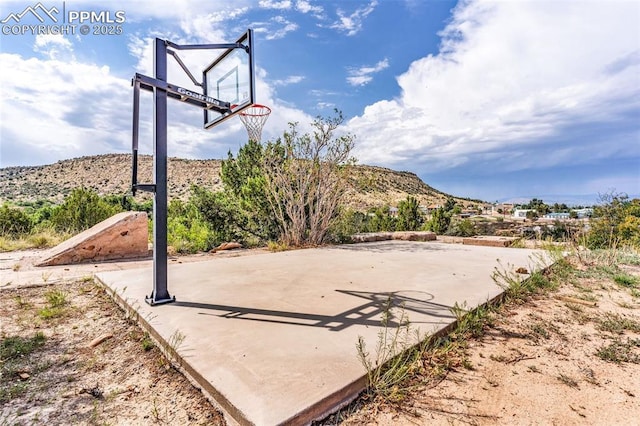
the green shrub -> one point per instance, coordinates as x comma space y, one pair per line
221, 214
379, 220
347, 223
462, 228
14, 222
82, 209
615, 222
187, 231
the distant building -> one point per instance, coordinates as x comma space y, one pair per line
521, 213
584, 213
557, 216
393, 211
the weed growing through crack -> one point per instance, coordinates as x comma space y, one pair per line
391, 381
45, 276
394, 360
170, 350
471, 322
518, 289
176, 339
147, 343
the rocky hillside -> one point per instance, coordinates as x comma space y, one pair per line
111, 174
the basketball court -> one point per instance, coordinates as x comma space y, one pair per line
272, 338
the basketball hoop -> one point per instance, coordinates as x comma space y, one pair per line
253, 119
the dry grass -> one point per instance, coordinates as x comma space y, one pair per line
50, 373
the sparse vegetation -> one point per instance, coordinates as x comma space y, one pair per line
569, 381
618, 324
14, 361
449, 353
57, 305
395, 356
626, 280
620, 351
48, 366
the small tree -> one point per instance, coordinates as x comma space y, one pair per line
245, 197
409, 217
439, 222
304, 179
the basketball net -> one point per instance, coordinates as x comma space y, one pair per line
253, 119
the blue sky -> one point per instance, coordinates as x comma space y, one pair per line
482, 99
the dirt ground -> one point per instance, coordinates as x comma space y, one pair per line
72, 379
570, 356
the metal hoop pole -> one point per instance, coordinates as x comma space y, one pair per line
160, 293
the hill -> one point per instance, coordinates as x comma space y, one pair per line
111, 174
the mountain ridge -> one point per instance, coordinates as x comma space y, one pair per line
109, 174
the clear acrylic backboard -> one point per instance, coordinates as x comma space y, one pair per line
230, 78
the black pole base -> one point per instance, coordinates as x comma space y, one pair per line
153, 302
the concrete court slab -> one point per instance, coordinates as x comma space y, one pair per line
17, 268
272, 338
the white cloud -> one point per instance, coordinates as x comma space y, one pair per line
54, 46
325, 105
81, 108
286, 27
57, 106
352, 24
364, 75
515, 85
271, 4
292, 79
304, 6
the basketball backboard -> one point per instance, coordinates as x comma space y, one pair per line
230, 79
